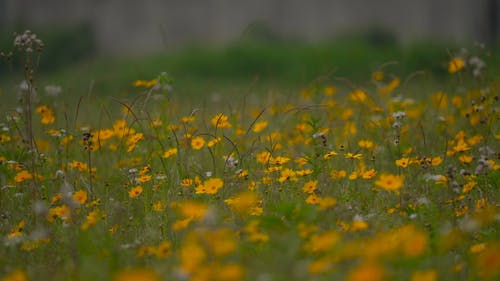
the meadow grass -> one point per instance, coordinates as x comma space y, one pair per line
389, 179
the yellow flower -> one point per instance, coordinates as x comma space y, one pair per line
367, 271
259, 126
368, 174
302, 173
338, 174
47, 114
135, 191
280, 160
461, 146
455, 65
188, 119
436, 161
170, 152
390, 182
133, 140
91, 219
477, 248
255, 235
350, 155
312, 199
403, 162
158, 206
365, 144
319, 266
63, 212
181, 223
424, 275
144, 178
230, 272
191, 209
263, 157
358, 225
378, 75
466, 159
163, 250
145, 83
56, 198
329, 91
80, 166
80, 197
22, 176
287, 174
210, 186
468, 186
186, 182
16, 275
4, 138
310, 186
213, 142
487, 262
243, 203
358, 95
197, 143
220, 121
136, 274
326, 202
322, 242
387, 89
17, 230
329, 155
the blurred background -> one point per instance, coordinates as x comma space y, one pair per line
285, 41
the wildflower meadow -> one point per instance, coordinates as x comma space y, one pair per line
331, 181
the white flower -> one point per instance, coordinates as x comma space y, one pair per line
399, 115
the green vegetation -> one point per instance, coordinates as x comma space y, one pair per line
334, 165
251, 63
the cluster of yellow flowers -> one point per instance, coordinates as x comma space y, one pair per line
353, 183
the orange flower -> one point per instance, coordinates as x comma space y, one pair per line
22, 176
80, 197
455, 65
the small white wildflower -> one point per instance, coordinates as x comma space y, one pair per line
40, 208
59, 174
469, 225
231, 161
431, 177
318, 135
358, 217
53, 90
24, 86
399, 115
423, 201
161, 177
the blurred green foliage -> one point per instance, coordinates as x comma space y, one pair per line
260, 57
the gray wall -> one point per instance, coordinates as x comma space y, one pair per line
131, 26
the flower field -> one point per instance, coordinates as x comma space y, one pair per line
333, 181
